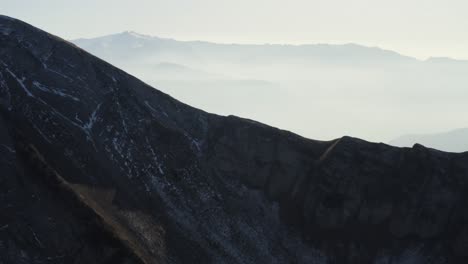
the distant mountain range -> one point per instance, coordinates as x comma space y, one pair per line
137, 46
133, 46
453, 141
324, 91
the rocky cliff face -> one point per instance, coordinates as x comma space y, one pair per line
98, 167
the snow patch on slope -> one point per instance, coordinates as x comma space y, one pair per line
53, 91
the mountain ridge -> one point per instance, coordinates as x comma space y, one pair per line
367, 84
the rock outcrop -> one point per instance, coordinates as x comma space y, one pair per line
98, 167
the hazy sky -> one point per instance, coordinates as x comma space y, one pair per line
419, 28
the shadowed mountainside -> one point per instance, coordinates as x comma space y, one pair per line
98, 167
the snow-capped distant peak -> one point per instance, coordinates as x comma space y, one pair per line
137, 35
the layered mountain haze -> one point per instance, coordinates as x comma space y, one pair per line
99, 167
347, 89
454, 141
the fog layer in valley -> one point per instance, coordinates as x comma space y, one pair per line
319, 91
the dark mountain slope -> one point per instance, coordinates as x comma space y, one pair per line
98, 167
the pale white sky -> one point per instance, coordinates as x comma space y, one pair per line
419, 28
